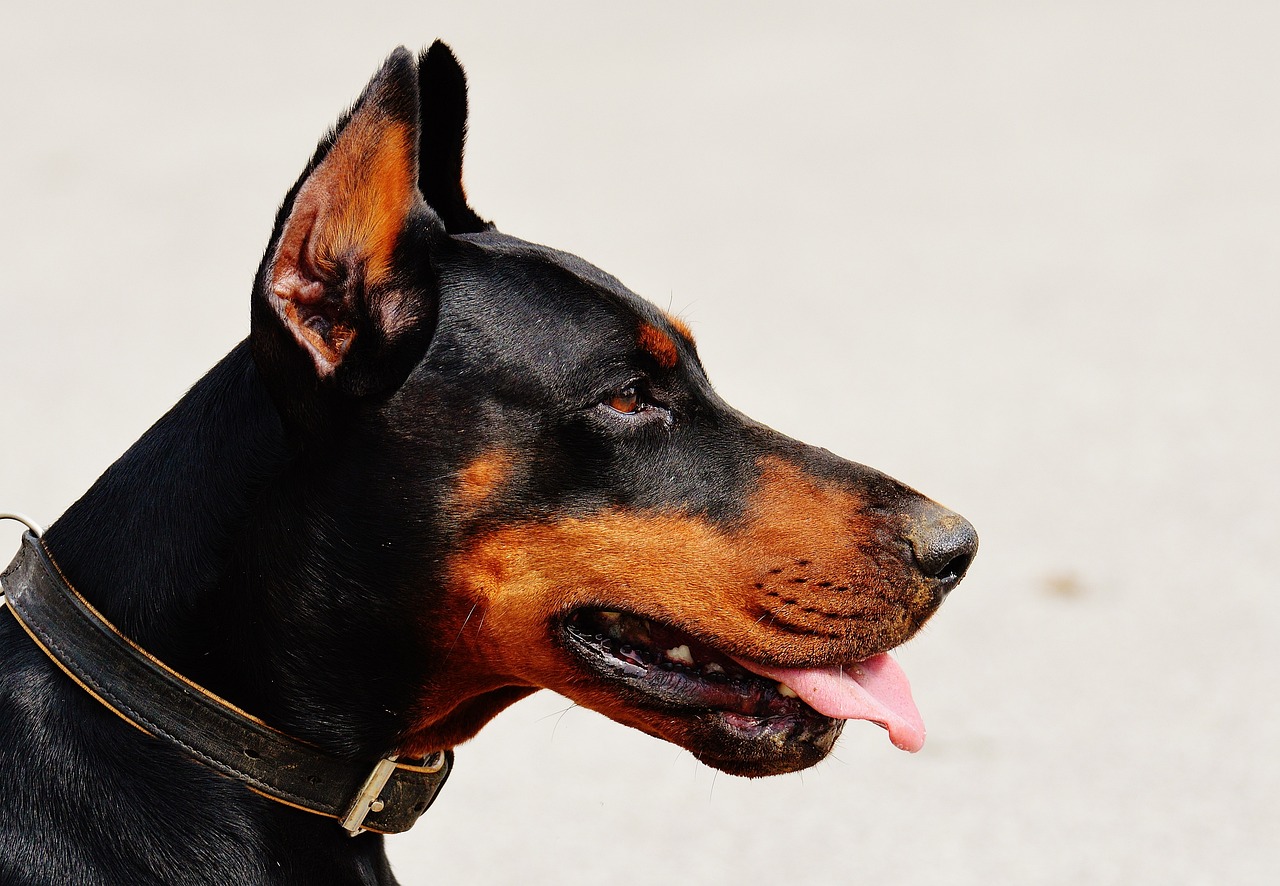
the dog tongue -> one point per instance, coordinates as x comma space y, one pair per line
875, 690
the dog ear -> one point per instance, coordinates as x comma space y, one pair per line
333, 305
442, 86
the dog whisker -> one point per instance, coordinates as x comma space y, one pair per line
458, 636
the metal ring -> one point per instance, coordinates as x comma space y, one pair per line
36, 529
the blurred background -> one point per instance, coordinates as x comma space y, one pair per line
1022, 256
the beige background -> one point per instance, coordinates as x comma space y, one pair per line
1021, 255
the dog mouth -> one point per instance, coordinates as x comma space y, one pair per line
752, 703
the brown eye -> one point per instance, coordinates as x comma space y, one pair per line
626, 401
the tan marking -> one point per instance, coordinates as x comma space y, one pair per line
658, 345
479, 480
353, 207
369, 188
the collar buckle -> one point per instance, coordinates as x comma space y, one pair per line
366, 799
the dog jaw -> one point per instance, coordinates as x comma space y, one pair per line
806, 577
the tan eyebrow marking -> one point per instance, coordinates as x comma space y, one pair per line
658, 345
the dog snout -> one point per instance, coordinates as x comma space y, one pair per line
943, 542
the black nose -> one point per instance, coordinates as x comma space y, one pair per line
943, 542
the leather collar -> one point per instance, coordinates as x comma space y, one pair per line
386, 797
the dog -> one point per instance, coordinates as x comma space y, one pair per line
446, 468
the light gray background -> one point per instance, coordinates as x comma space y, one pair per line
1021, 255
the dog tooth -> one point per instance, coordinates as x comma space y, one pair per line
712, 668
680, 654
786, 691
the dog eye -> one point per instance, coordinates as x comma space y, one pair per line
627, 401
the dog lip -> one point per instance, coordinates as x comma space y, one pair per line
713, 647
676, 669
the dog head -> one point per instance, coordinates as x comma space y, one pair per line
547, 490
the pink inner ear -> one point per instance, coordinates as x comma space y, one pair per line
294, 288
290, 279
342, 232
301, 295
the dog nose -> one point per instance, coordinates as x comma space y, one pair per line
943, 542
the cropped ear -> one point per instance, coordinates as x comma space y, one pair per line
339, 301
442, 86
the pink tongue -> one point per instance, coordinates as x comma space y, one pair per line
875, 690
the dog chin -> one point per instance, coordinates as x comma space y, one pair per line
756, 747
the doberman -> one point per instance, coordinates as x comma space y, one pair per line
446, 468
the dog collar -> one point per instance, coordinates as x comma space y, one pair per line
152, 697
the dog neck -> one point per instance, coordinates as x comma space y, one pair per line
201, 545
150, 541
